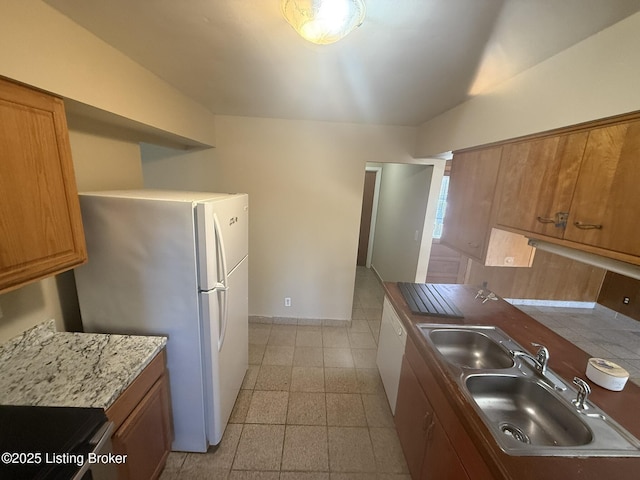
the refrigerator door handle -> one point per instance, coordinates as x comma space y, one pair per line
222, 286
224, 307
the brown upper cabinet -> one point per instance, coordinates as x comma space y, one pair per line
579, 189
605, 211
473, 180
468, 224
537, 179
40, 223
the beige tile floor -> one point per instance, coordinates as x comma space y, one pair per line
312, 406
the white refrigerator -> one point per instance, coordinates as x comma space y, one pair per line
175, 264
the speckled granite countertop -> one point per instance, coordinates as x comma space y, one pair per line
49, 368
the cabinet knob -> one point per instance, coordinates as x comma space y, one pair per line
587, 226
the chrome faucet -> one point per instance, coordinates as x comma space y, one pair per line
583, 392
540, 360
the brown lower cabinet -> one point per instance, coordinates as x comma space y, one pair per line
427, 449
142, 417
434, 443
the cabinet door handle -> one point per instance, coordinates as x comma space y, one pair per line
473, 245
430, 429
426, 423
587, 226
560, 219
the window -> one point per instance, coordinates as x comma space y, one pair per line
442, 202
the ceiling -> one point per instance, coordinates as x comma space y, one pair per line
409, 61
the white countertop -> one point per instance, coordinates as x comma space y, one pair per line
49, 368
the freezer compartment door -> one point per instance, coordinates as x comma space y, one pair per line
223, 238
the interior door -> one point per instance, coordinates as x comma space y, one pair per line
365, 217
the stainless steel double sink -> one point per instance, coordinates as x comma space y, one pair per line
527, 412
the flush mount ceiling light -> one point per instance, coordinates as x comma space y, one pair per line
323, 21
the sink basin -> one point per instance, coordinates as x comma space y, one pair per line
525, 412
470, 349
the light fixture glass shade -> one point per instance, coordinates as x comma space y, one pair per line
323, 21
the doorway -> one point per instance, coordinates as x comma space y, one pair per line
368, 194
400, 226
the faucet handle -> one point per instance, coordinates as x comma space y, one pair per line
491, 296
583, 392
542, 355
540, 347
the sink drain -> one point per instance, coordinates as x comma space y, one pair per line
514, 432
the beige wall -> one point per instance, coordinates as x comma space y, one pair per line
402, 206
168, 168
43, 48
596, 78
101, 162
304, 181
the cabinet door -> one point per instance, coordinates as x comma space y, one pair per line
470, 198
441, 461
413, 417
145, 437
537, 179
426, 447
605, 212
40, 222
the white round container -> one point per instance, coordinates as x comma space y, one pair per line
607, 374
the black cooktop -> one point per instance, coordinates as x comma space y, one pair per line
50, 431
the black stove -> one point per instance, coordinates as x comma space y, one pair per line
46, 442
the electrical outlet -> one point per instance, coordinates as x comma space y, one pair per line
626, 300
287, 301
